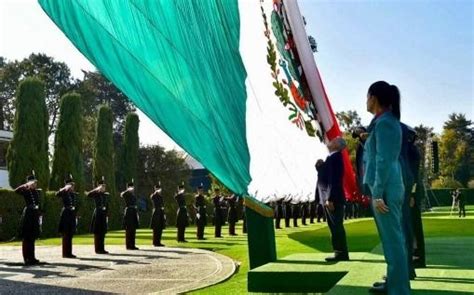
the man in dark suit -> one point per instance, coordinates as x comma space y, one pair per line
320, 185
333, 171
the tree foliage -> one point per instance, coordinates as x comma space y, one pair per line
129, 153
155, 164
28, 149
96, 90
103, 161
457, 149
55, 75
68, 157
348, 119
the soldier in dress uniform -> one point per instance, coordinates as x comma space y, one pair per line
296, 212
182, 218
130, 216
312, 210
30, 218
99, 217
244, 216
288, 212
67, 220
158, 218
304, 211
232, 217
201, 216
278, 212
218, 216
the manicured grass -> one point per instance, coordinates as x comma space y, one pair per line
361, 233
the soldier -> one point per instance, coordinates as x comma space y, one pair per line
30, 218
130, 216
232, 217
312, 211
67, 221
296, 213
304, 211
182, 218
278, 212
288, 212
461, 203
158, 218
218, 216
244, 216
99, 218
201, 216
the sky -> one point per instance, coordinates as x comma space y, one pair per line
426, 48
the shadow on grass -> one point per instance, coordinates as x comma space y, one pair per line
361, 237
355, 290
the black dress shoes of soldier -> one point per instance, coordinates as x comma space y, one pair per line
379, 288
70, 256
337, 257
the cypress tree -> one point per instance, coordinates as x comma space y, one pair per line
103, 160
28, 149
68, 156
130, 147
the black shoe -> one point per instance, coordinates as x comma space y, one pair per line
29, 262
337, 258
201, 238
70, 256
379, 289
417, 263
102, 252
378, 284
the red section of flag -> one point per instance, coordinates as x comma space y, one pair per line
350, 186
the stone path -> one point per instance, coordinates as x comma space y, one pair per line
148, 270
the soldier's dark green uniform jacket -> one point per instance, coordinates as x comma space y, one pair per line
182, 219
130, 215
158, 218
200, 205
279, 209
219, 218
232, 214
99, 217
29, 221
67, 220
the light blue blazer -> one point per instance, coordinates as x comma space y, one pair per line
382, 156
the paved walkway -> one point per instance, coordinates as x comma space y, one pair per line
148, 270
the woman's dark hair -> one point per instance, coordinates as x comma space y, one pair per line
387, 95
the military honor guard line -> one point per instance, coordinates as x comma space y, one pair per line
31, 218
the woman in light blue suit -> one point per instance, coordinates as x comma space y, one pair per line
383, 176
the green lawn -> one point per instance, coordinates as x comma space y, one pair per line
361, 234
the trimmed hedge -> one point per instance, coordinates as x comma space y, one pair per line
442, 196
11, 207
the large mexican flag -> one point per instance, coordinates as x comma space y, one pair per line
234, 83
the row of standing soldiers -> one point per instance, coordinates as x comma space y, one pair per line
31, 219
285, 209
224, 208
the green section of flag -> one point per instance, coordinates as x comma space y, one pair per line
179, 62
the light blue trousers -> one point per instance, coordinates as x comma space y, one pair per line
390, 230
